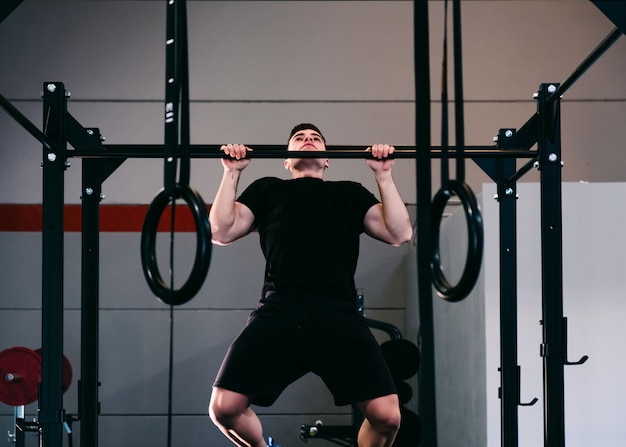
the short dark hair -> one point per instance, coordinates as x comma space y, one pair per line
303, 126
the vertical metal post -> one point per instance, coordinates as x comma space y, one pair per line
90, 302
509, 375
553, 348
426, 393
51, 412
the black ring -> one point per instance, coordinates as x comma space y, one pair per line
475, 238
203, 246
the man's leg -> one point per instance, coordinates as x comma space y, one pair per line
232, 414
382, 421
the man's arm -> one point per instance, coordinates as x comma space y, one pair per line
230, 220
389, 220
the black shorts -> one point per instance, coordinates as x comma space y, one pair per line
289, 335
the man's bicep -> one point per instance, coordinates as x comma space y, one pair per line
241, 225
244, 220
374, 223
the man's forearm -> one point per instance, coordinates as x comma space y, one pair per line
394, 210
223, 213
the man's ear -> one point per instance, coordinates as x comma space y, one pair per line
287, 164
326, 164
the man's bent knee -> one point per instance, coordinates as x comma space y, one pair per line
226, 406
388, 424
383, 413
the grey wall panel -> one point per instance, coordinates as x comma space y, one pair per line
20, 272
308, 50
460, 347
133, 362
21, 155
253, 50
593, 142
21, 328
104, 49
201, 339
380, 274
513, 45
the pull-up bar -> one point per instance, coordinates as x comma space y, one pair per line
278, 151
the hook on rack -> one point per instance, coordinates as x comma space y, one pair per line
562, 352
519, 397
582, 360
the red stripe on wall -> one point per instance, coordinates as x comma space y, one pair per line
113, 218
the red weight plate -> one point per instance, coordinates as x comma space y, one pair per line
20, 375
67, 371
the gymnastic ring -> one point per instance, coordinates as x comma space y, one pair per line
203, 246
475, 238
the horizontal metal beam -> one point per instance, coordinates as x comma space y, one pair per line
279, 151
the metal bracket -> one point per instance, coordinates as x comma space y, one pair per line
553, 350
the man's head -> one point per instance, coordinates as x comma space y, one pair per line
306, 137
305, 126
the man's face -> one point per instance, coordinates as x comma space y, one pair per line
306, 140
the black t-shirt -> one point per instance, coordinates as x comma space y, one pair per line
309, 232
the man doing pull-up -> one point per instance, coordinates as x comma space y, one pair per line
307, 319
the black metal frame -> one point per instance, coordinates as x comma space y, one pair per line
100, 162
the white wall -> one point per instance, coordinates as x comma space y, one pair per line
593, 292
467, 333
